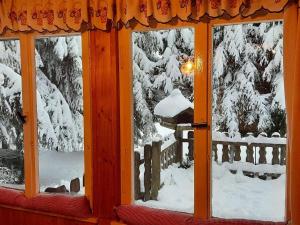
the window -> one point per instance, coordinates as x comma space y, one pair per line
48, 115
170, 63
223, 186
248, 122
59, 96
11, 120
163, 111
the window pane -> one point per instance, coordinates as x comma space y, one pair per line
60, 113
163, 93
249, 122
11, 123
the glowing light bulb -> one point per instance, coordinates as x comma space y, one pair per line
187, 68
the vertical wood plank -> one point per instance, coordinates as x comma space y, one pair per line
87, 109
201, 146
105, 119
29, 110
126, 123
155, 184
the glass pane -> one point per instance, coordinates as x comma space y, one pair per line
163, 93
11, 121
249, 122
60, 114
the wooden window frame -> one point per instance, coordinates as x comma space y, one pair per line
203, 110
28, 71
233, 21
201, 158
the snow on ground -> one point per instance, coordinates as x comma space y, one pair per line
56, 169
238, 196
59, 168
233, 196
178, 191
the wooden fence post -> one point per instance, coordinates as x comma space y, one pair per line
137, 182
225, 155
283, 155
147, 173
215, 151
262, 152
178, 136
191, 145
5, 144
250, 152
237, 152
155, 184
275, 152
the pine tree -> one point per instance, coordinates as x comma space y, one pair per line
156, 72
247, 62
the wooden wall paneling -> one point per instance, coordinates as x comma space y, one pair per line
105, 119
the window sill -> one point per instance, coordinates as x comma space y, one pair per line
138, 215
71, 206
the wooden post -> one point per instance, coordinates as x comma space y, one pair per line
162, 160
250, 152
191, 145
178, 135
215, 151
262, 151
155, 184
237, 152
283, 155
225, 155
262, 155
275, 153
147, 173
5, 144
137, 182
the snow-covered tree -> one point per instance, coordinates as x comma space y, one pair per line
156, 72
60, 94
248, 78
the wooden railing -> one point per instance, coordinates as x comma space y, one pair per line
155, 159
11, 164
158, 156
255, 164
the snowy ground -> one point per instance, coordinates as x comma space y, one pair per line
238, 196
234, 196
59, 168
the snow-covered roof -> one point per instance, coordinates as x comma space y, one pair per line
172, 105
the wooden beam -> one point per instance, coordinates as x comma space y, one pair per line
105, 120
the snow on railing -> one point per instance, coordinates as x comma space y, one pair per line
263, 156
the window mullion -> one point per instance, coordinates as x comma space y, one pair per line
87, 108
29, 111
201, 152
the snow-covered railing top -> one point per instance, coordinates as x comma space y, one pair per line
260, 139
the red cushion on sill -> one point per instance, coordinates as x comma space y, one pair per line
12, 197
67, 205
138, 215
77, 206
